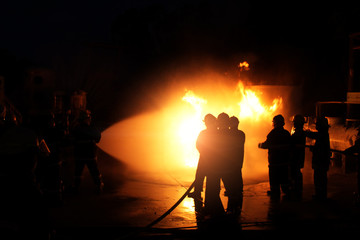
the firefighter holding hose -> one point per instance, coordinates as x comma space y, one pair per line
85, 136
278, 145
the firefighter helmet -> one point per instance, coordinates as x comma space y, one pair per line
322, 123
223, 120
209, 119
234, 122
299, 119
279, 120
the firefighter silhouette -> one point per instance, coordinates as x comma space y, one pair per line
298, 141
51, 179
221, 147
85, 136
278, 145
207, 145
232, 175
203, 144
21, 201
225, 161
320, 156
355, 149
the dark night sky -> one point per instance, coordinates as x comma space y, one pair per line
122, 41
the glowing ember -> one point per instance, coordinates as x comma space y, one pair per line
244, 66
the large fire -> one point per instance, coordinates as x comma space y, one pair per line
164, 140
190, 127
249, 108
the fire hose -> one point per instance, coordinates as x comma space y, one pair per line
191, 187
150, 225
172, 208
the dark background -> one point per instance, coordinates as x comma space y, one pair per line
118, 51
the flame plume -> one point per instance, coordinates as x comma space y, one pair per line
250, 108
164, 140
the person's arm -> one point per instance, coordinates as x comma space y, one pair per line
199, 142
242, 146
265, 145
311, 134
352, 150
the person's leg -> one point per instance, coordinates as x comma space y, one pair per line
213, 204
320, 182
274, 183
299, 183
95, 174
199, 181
79, 168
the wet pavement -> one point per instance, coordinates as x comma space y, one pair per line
141, 198
132, 200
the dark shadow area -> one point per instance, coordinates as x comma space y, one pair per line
115, 59
114, 171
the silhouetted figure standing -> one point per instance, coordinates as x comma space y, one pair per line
52, 185
85, 136
356, 150
298, 141
226, 160
205, 144
321, 156
208, 166
232, 178
278, 145
21, 202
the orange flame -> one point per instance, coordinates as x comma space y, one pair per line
244, 66
165, 140
190, 128
251, 109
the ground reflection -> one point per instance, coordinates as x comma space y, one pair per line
148, 195
188, 205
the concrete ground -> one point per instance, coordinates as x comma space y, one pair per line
125, 208
132, 200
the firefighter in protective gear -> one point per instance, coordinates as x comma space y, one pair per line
203, 143
355, 149
85, 136
232, 177
51, 166
223, 144
207, 145
278, 145
21, 200
298, 141
321, 156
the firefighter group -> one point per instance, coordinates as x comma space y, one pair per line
41, 158
36, 153
33, 159
221, 148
